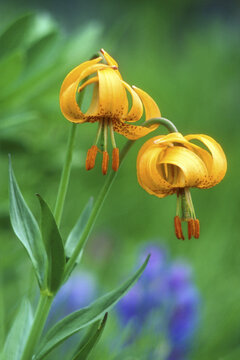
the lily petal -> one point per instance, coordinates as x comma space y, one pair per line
113, 102
151, 108
192, 167
68, 103
76, 72
110, 61
218, 166
148, 173
131, 132
136, 110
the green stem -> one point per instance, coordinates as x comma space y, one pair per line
37, 326
161, 121
97, 207
62, 190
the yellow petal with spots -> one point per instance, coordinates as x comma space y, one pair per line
217, 164
113, 102
131, 132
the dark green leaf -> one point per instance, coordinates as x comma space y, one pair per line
92, 338
76, 233
18, 334
54, 248
26, 227
16, 35
84, 317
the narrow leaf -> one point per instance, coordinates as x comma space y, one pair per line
26, 228
16, 35
76, 233
93, 338
19, 332
84, 317
54, 247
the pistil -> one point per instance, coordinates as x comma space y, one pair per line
185, 212
105, 153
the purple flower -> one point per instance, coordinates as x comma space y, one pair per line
164, 301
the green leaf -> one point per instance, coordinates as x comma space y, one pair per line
16, 35
19, 332
10, 69
54, 248
76, 233
90, 340
84, 317
26, 228
42, 53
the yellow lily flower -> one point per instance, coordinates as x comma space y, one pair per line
172, 164
109, 105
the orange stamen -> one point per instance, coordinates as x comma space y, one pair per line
197, 229
191, 228
105, 162
115, 159
91, 157
178, 227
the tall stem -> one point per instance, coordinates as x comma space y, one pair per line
37, 326
62, 190
97, 207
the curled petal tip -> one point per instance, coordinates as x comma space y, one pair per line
114, 67
102, 51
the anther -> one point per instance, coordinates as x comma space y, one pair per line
91, 157
115, 159
191, 228
178, 227
196, 228
105, 162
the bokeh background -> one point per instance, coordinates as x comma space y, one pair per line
186, 54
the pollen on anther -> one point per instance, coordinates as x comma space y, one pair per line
196, 228
91, 157
105, 162
191, 228
115, 159
178, 228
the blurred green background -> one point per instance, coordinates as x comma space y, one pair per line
186, 55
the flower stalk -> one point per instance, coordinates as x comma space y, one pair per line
63, 186
40, 318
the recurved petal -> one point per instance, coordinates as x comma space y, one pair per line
149, 177
68, 103
136, 110
170, 139
73, 75
190, 167
110, 60
151, 108
131, 132
113, 100
217, 164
